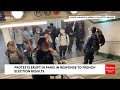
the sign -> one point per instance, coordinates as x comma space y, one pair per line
59, 69
38, 13
2, 16
47, 13
56, 12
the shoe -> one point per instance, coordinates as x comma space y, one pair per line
61, 58
64, 58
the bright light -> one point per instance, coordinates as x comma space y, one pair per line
23, 24
73, 12
104, 19
70, 20
17, 14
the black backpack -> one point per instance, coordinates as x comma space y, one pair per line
95, 44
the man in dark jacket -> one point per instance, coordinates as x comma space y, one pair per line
53, 35
70, 33
79, 34
43, 56
90, 46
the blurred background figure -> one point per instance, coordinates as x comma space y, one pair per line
18, 38
70, 32
101, 38
79, 35
37, 33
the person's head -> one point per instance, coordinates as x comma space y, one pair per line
98, 31
42, 44
16, 29
47, 35
92, 29
62, 31
26, 28
51, 24
49, 27
37, 29
11, 46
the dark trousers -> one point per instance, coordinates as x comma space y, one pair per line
62, 50
19, 46
79, 44
88, 58
71, 42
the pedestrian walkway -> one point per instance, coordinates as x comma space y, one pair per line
77, 60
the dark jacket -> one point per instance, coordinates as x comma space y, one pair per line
44, 57
79, 32
89, 42
69, 30
53, 32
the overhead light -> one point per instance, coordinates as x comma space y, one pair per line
70, 20
17, 14
22, 24
73, 12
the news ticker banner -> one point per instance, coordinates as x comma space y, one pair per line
91, 17
60, 69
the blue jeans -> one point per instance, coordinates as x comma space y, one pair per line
19, 46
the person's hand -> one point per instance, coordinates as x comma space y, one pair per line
55, 62
51, 49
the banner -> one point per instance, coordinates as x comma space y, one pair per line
59, 69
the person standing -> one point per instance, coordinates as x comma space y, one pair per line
79, 34
53, 35
70, 33
90, 46
37, 34
43, 56
18, 38
63, 42
101, 38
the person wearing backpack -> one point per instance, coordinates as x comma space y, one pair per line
14, 55
90, 46
63, 42
101, 38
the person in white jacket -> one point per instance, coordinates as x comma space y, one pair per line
63, 42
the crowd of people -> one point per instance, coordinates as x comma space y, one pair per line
21, 47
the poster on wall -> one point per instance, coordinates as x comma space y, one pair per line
56, 12
47, 13
2, 16
38, 13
